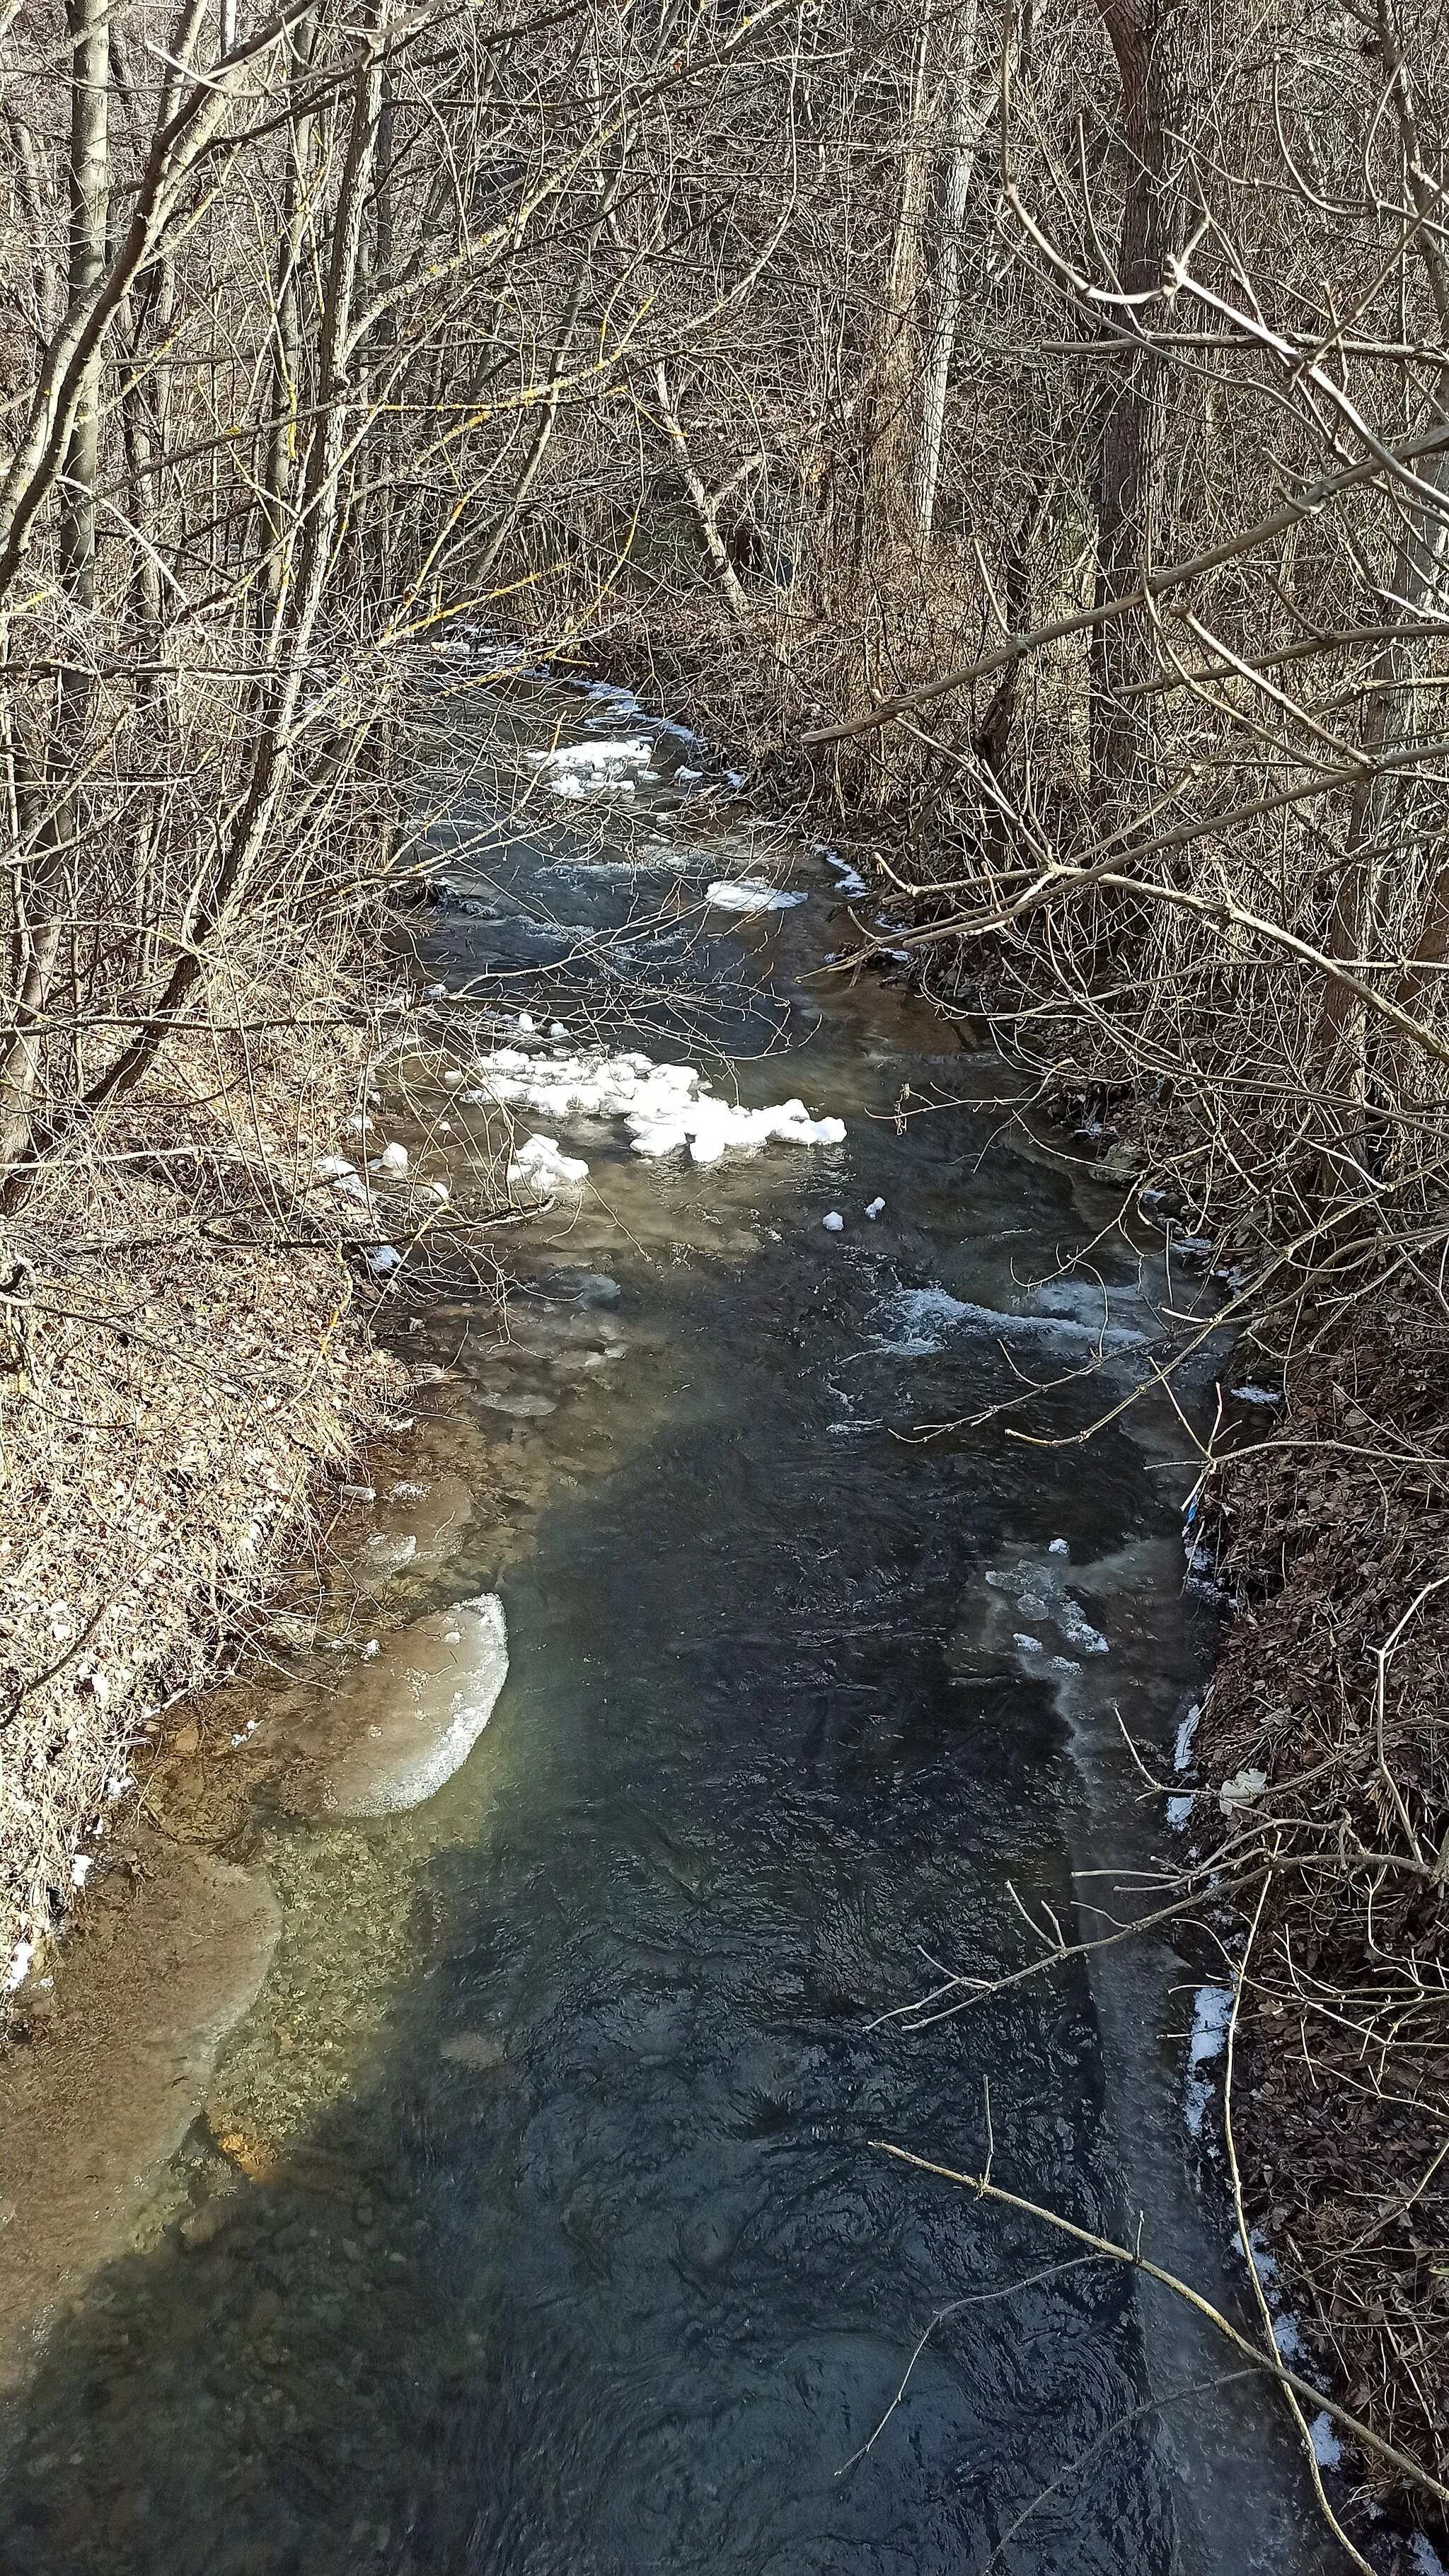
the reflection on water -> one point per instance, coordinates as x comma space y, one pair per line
536, 2224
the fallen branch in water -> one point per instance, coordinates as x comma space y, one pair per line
1273, 2364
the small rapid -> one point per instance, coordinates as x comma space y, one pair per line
539, 2222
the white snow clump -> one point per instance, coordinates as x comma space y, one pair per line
665, 1106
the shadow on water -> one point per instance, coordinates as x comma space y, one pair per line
592, 2265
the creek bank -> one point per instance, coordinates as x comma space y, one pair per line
187, 1369
1330, 1696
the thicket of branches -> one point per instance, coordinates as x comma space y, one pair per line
1032, 416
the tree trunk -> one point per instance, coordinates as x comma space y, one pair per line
281, 454
88, 175
967, 119
45, 875
705, 508
1151, 44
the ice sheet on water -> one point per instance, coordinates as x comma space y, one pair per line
606, 752
1182, 1749
1212, 2010
749, 894
928, 1314
605, 766
1327, 2448
848, 880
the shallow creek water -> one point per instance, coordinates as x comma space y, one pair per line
536, 2221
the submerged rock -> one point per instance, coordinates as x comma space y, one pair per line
480, 2049
414, 1715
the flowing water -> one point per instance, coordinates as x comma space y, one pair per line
564, 2238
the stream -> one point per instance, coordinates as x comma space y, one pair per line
539, 2221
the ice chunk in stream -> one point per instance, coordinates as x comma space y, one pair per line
876, 1208
538, 1168
1327, 2448
393, 1159
834, 1223
666, 1106
381, 1258
587, 759
1212, 2011
749, 894
1182, 1749
848, 880
415, 1714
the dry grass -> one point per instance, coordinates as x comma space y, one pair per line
184, 1359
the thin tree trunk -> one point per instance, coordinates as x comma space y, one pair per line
41, 886
88, 175
706, 509
281, 454
1152, 46
966, 123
